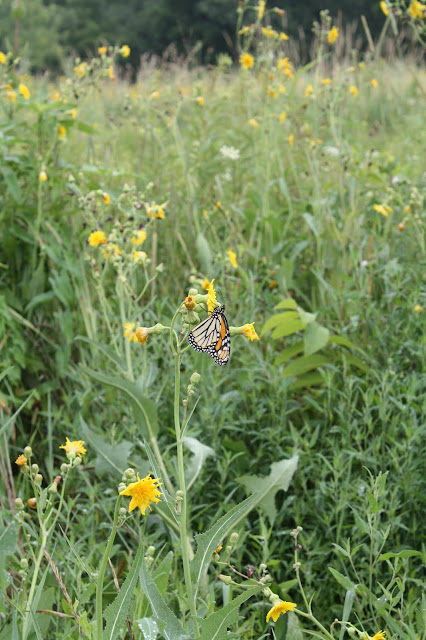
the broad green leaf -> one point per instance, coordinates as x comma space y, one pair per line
279, 479
276, 321
290, 352
291, 323
344, 581
173, 629
288, 303
149, 628
144, 410
208, 541
204, 253
303, 364
109, 457
306, 317
294, 632
215, 626
307, 380
315, 338
12, 184
406, 553
200, 453
161, 574
115, 614
8, 539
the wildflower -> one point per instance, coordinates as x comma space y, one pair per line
24, 91
129, 333
384, 7
249, 332
283, 116
32, 503
217, 204
206, 284
326, 81
111, 72
142, 334
125, 51
200, 100
261, 9
230, 152
155, 209
418, 309
380, 635
42, 176
211, 300
383, 209
11, 95
139, 237
308, 90
407, 209
80, 69
102, 51
96, 238
268, 32
21, 460
62, 132
2, 58
273, 284
246, 61
283, 36
353, 90
281, 88
272, 93
278, 609
417, 10
232, 258
139, 256
111, 251
332, 35
361, 65
73, 113
364, 263
291, 139
253, 123
106, 198
284, 64
143, 492
374, 83
74, 448
401, 227
155, 95
189, 303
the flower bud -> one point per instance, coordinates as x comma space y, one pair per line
234, 537
189, 303
179, 494
267, 592
129, 473
19, 504
64, 468
34, 468
32, 503
195, 378
192, 292
225, 579
28, 452
121, 487
150, 551
38, 479
77, 461
122, 511
53, 488
262, 566
24, 563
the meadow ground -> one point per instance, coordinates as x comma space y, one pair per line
297, 187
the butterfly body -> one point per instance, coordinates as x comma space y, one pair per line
212, 336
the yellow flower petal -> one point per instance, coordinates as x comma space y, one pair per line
96, 238
143, 492
280, 609
74, 448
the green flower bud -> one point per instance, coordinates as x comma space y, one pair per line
122, 511
225, 579
121, 487
24, 563
38, 479
195, 378
234, 537
34, 468
129, 473
19, 504
28, 452
150, 551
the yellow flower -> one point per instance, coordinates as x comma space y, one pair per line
74, 448
102, 50
206, 284
283, 116
246, 61
249, 332
111, 72
111, 251
272, 93
253, 123
353, 90
280, 608
155, 209
332, 35
56, 96
211, 300
281, 88
308, 90
232, 258
283, 36
218, 204
32, 503
361, 65
62, 132
106, 198
200, 100
273, 284
139, 256
22, 459
80, 69
11, 95
380, 635
96, 238
374, 83
384, 7
219, 549
291, 139
417, 10
24, 91
156, 95
2, 58
383, 209
261, 9
128, 331
268, 32
189, 302
326, 81
42, 176
125, 51
73, 113
139, 237
418, 309
142, 334
143, 492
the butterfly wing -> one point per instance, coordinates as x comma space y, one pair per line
212, 336
221, 351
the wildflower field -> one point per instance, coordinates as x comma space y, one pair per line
147, 492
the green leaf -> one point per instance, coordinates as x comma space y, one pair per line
12, 184
372, 502
17, 412
307, 380
290, 352
344, 342
144, 410
347, 608
305, 363
115, 614
315, 338
306, 317
108, 456
204, 253
356, 362
215, 626
279, 479
406, 553
162, 573
345, 582
294, 632
200, 453
290, 323
149, 628
288, 303
173, 629
8, 540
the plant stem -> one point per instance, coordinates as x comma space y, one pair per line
29, 602
101, 573
184, 510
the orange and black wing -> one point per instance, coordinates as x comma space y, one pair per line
212, 336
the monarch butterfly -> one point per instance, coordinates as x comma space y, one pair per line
212, 336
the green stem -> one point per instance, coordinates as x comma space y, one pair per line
315, 621
25, 628
184, 509
101, 573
